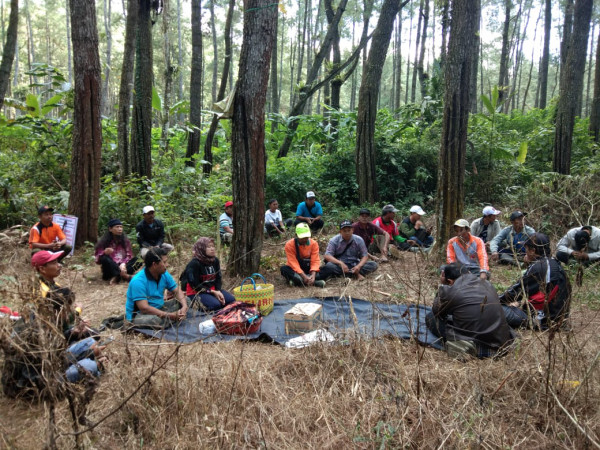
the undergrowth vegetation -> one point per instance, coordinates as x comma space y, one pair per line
508, 158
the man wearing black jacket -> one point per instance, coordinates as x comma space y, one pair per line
151, 232
467, 314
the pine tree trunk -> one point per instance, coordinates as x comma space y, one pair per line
589, 71
179, 58
165, 115
193, 144
475, 57
595, 111
215, 71
445, 24
126, 89
208, 143
8, 52
367, 103
420, 66
106, 103
87, 130
571, 84
141, 123
68, 28
451, 172
248, 134
543, 78
503, 72
413, 87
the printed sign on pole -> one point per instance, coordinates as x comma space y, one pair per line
69, 226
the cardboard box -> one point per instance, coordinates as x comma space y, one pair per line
303, 317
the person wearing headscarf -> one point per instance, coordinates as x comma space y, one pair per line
202, 280
543, 294
113, 253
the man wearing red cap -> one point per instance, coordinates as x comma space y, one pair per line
83, 351
226, 223
47, 235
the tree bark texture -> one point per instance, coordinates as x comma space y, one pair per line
475, 57
423, 77
503, 71
451, 172
87, 129
193, 145
367, 103
208, 143
8, 52
248, 135
571, 86
413, 87
595, 109
543, 78
141, 126
106, 98
126, 89
215, 71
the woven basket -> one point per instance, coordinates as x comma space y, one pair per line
259, 294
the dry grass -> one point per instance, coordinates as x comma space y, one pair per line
365, 394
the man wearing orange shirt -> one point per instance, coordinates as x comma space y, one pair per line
468, 250
303, 261
47, 235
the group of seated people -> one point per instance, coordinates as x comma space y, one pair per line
352, 253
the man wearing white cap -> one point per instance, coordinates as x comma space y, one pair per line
468, 250
487, 227
151, 232
311, 212
413, 228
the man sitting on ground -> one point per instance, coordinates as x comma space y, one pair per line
510, 242
145, 306
151, 232
311, 212
303, 261
467, 314
386, 223
413, 228
347, 255
226, 223
580, 244
468, 250
376, 239
47, 235
56, 329
487, 227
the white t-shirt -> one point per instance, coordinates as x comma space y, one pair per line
273, 218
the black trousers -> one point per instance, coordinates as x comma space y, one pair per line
110, 268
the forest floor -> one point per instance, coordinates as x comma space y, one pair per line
382, 393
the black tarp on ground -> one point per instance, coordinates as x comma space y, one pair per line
372, 320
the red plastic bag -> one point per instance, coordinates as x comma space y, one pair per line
237, 318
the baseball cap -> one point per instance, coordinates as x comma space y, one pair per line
43, 209
461, 223
43, 257
388, 208
516, 215
147, 209
310, 194
345, 224
417, 209
364, 211
228, 204
490, 211
302, 230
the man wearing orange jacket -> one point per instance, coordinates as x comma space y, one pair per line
468, 250
303, 261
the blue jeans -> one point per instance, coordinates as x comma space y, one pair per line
426, 243
81, 355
